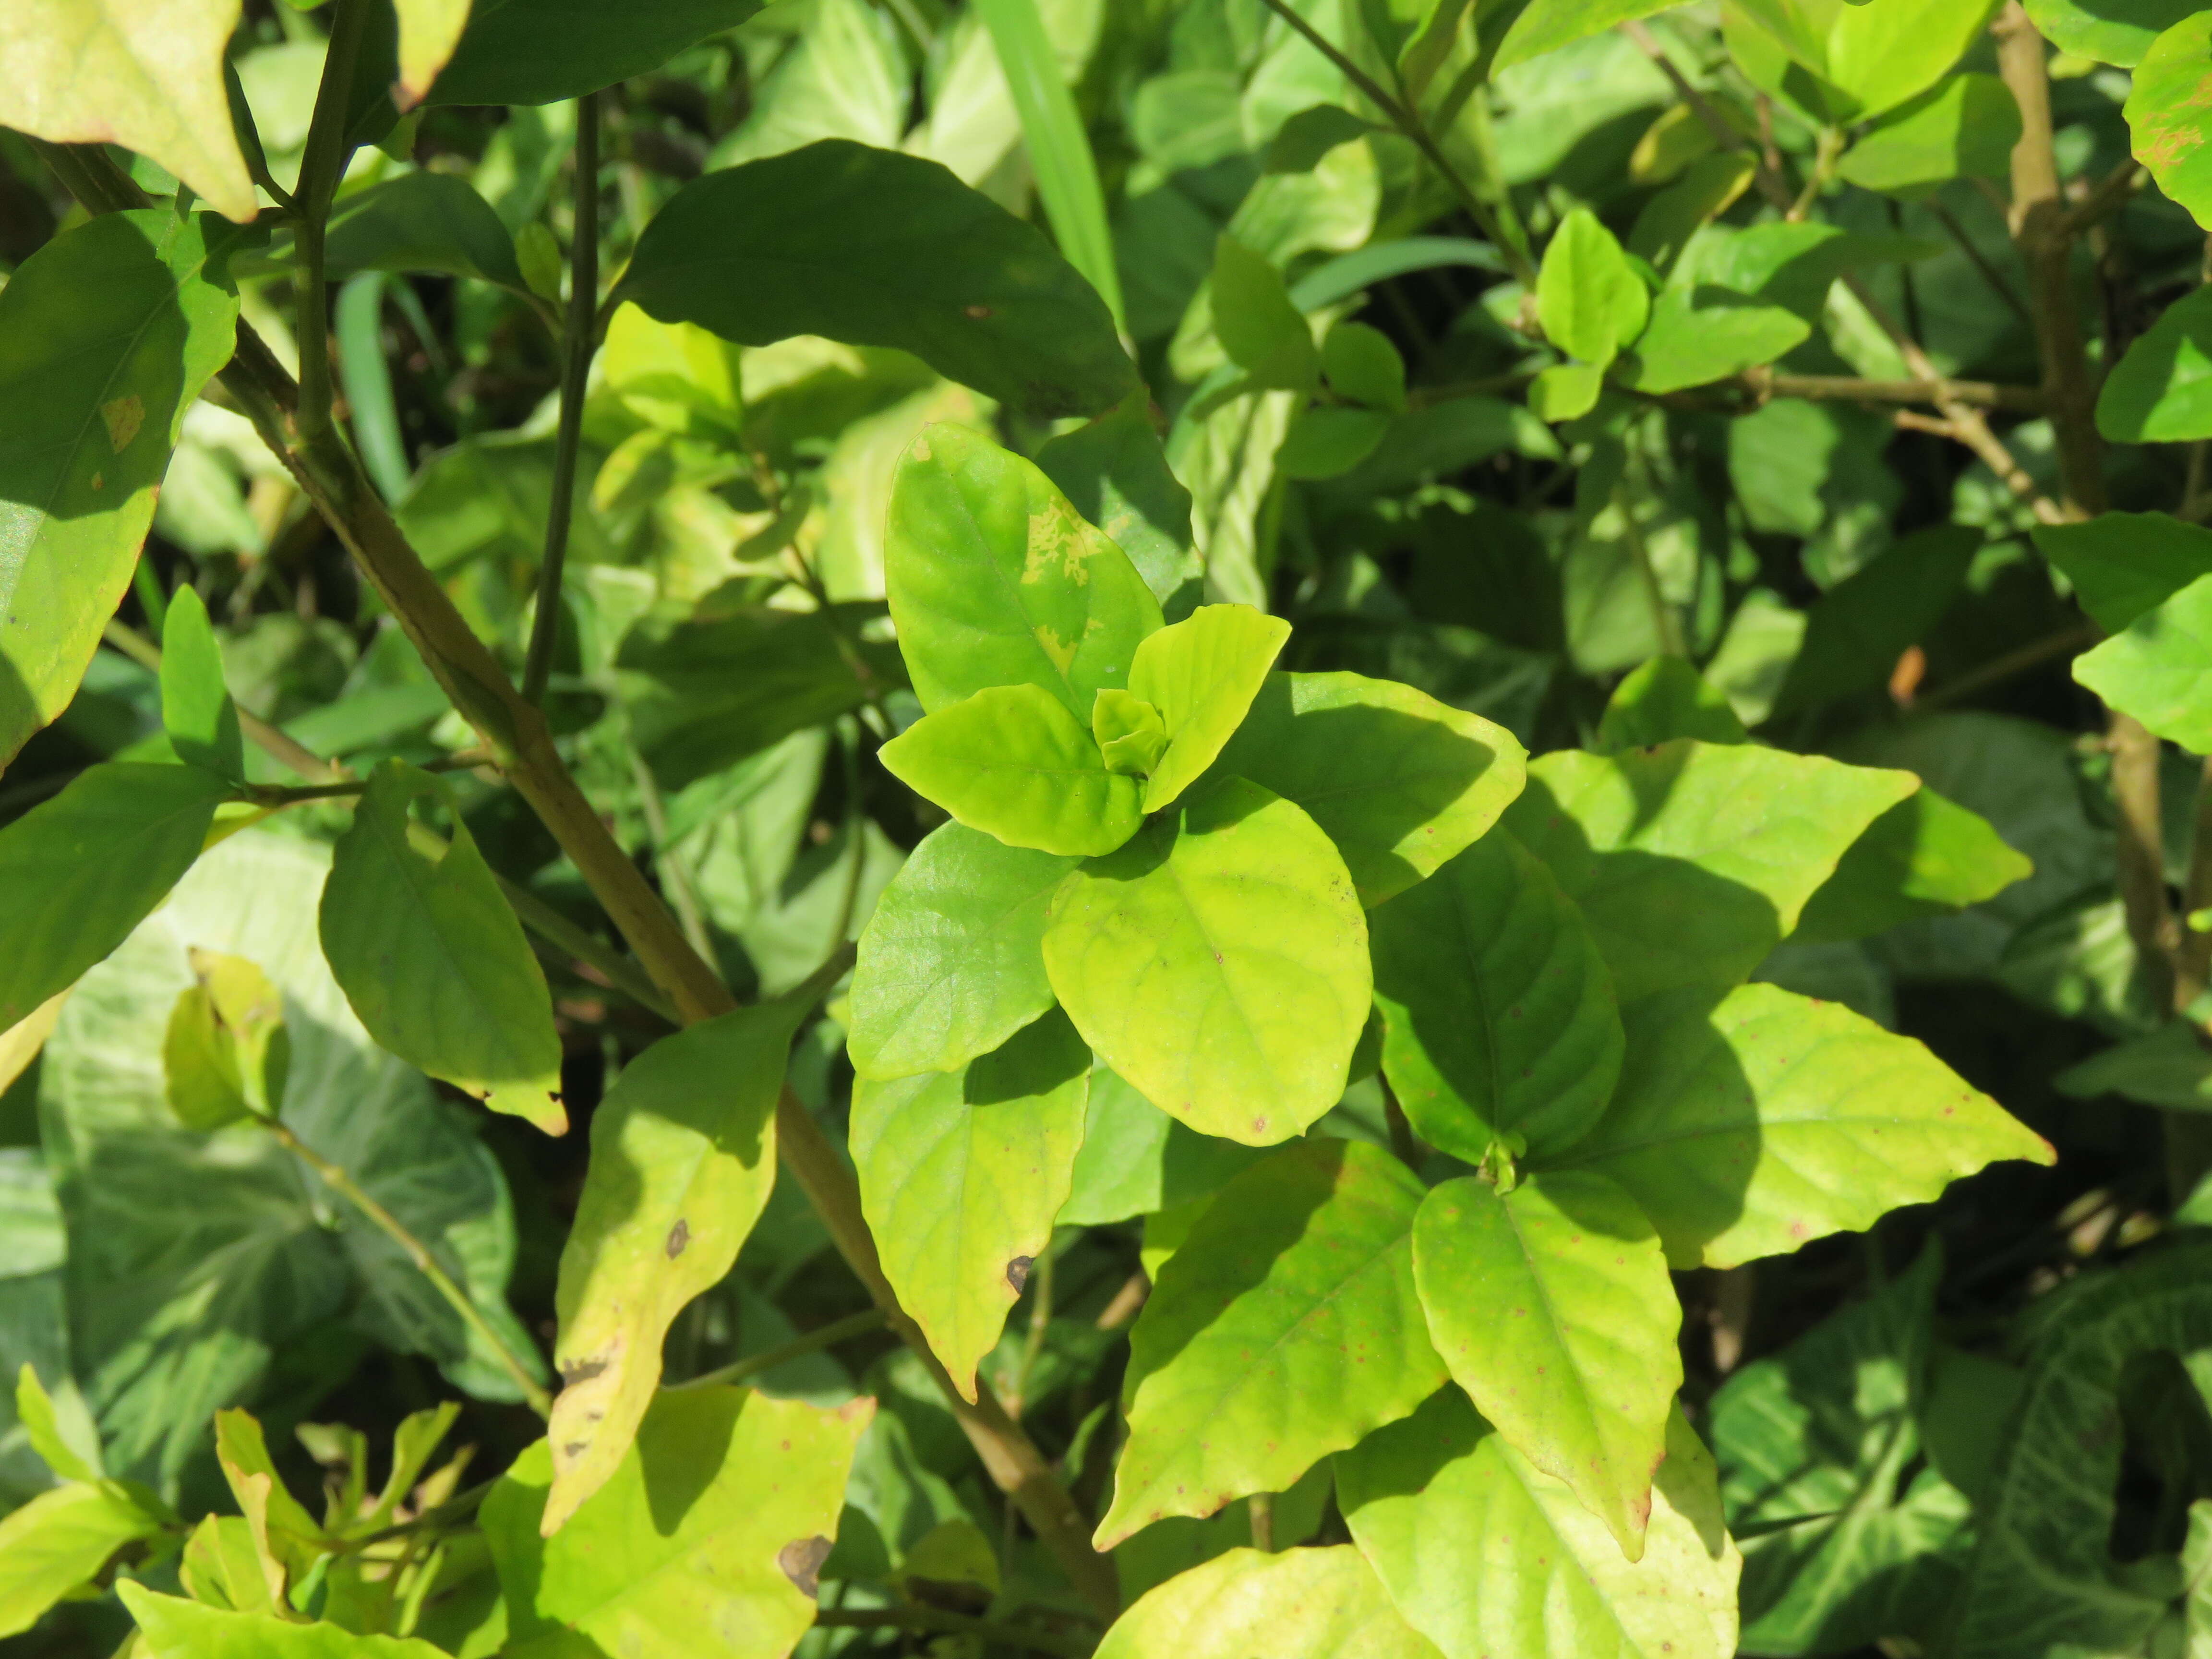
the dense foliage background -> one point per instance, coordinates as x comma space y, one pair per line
1798, 434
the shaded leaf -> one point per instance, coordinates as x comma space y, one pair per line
1285, 1327
682, 1157
951, 963
1400, 781
871, 247
1264, 334
1219, 962
1011, 762
2161, 390
718, 1519
225, 1054
2159, 669
425, 221
1664, 699
432, 960
2122, 564
1925, 856
2167, 1067
197, 712
995, 581
1691, 861
539, 52
1747, 1126
79, 871
1855, 635
1488, 1556
107, 333
1498, 1015
961, 1176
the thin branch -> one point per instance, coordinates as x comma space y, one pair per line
516, 730
1768, 177
2111, 193
579, 334
1998, 669
758, 1364
1844, 388
1998, 283
341, 1182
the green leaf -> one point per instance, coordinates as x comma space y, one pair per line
1058, 148
1841, 1548
1301, 1604
2167, 1067
1264, 334
961, 1176
1130, 733
1400, 781
1360, 364
1861, 626
57, 1541
1691, 861
1219, 962
676, 376
196, 1261
81, 870
1548, 25
421, 221
1552, 1305
951, 963
1011, 761
1135, 1159
872, 247
1286, 1329
1747, 1126
80, 73
2112, 31
429, 32
995, 581
1565, 392
70, 1447
1115, 475
2042, 1570
225, 1054
682, 1156
2122, 564
197, 712
1704, 333
2166, 131
170, 1627
1963, 127
2160, 391
107, 333
540, 51
1325, 442
1588, 297
1925, 856
2160, 670
718, 1520
1202, 674
1499, 1016
1486, 1555
1664, 699
432, 960
1878, 55
705, 693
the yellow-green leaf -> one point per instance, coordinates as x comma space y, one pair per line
170, 1627
59, 1541
682, 1156
1202, 673
144, 74
1302, 1604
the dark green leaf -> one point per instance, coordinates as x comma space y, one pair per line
875, 248
537, 52
426, 221
1855, 634
2122, 564
1264, 334
1665, 699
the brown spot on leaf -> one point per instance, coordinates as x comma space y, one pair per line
580, 1370
801, 1560
678, 1236
978, 312
123, 416
1018, 1271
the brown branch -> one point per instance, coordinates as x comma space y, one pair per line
1844, 388
515, 731
2112, 192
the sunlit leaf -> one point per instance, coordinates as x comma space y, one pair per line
1302, 1604
1284, 1328
59, 1541
2166, 133
962, 1174
170, 1627
1202, 674
682, 1157
1219, 962
2159, 669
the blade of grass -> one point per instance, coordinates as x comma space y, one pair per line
1059, 150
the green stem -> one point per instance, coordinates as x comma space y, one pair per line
738, 1370
341, 1182
320, 167
577, 335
